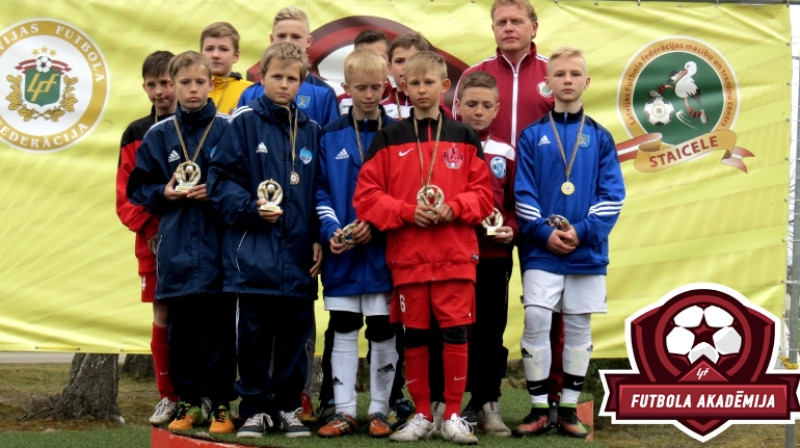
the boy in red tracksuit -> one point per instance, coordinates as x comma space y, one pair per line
160, 91
432, 249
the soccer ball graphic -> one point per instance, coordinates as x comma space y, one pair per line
681, 339
659, 111
43, 63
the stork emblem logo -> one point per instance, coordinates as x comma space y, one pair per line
678, 99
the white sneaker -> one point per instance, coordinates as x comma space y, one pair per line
457, 430
417, 429
437, 409
165, 412
490, 420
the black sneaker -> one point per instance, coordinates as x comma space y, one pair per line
292, 425
569, 424
256, 426
536, 423
470, 414
326, 410
403, 408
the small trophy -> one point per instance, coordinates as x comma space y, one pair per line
430, 195
272, 193
346, 237
558, 222
492, 222
188, 174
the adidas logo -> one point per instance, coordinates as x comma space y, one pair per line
173, 156
337, 382
342, 155
386, 369
544, 140
262, 148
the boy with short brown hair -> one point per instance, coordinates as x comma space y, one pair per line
430, 281
171, 167
161, 93
219, 42
271, 256
477, 105
403, 47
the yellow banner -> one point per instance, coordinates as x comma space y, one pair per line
68, 278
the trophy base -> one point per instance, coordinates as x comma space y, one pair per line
492, 231
183, 187
270, 208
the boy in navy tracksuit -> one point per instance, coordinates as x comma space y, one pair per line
357, 281
166, 181
271, 257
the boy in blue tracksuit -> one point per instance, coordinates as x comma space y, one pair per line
315, 97
569, 191
169, 180
357, 281
271, 257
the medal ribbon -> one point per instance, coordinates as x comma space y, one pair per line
358, 137
568, 166
199, 145
419, 150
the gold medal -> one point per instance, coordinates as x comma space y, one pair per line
188, 172
429, 195
567, 188
294, 178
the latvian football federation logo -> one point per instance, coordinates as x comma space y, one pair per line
702, 360
54, 87
678, 99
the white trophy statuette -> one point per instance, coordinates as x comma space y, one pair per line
430, 195
272, 193
492, 222
188, 174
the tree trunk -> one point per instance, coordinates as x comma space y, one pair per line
139, 367
91, 390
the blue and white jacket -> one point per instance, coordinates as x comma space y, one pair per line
259, 257
362, 269
315, 98
188, 258
592, 209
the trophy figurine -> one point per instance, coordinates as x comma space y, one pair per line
346, 237
492, 222
188, 174
430, 195
272, 193
559, 222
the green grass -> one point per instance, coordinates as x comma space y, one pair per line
22, 384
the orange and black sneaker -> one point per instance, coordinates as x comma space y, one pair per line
187, 417
221, 422
569, 424
536, 423
379, 426
339, 425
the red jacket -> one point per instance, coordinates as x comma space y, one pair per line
386, 196
135, 217
524, 96
501, 159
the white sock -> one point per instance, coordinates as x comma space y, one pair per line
344, 365
382, 366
